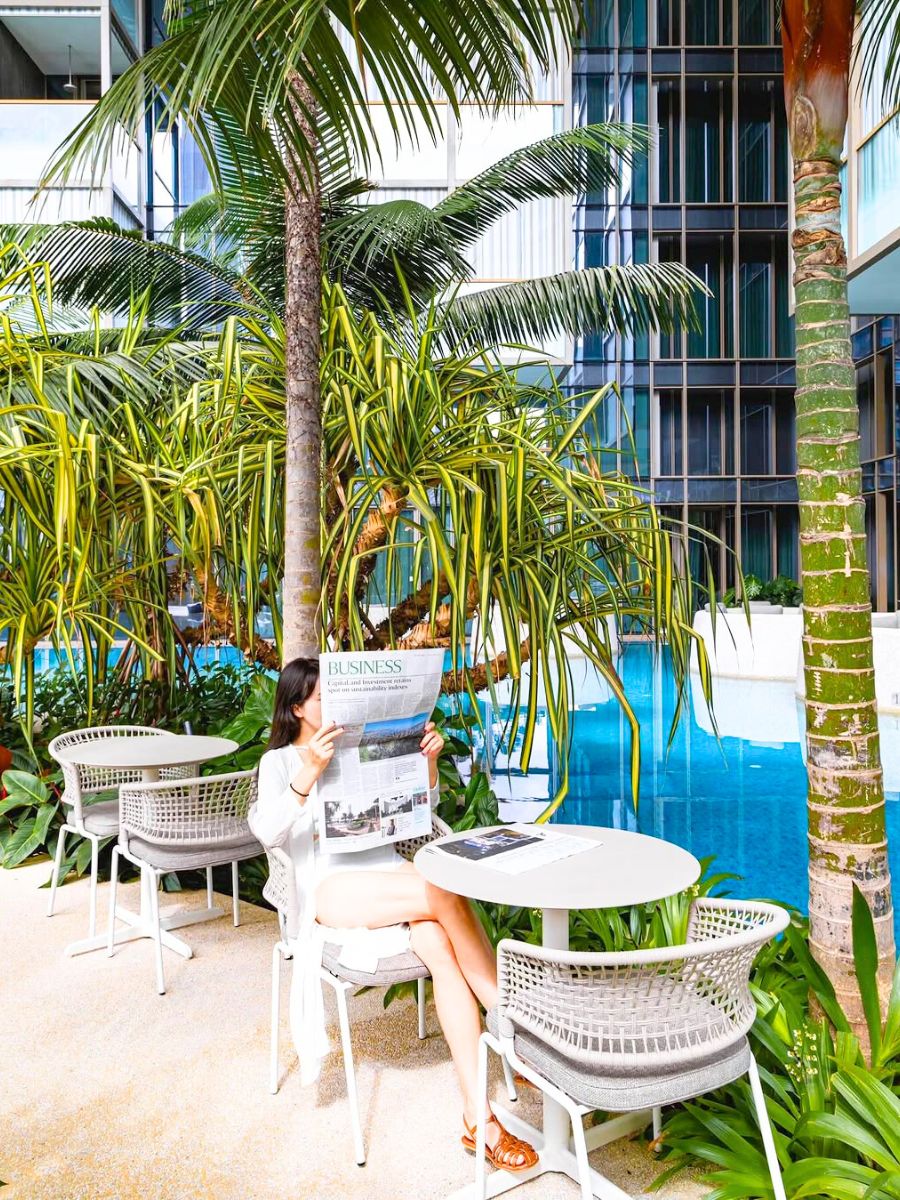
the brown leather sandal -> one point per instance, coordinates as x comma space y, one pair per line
507, 1147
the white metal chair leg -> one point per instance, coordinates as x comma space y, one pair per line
420, 1001
95, 862
657, 1123
235, 896
581, 1156
276, 1018
157, 938
765, 1129
350, 1075
481, 1120
509, 1077
57, 864
209, 887
113, 888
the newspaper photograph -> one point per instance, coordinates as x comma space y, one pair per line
375, 789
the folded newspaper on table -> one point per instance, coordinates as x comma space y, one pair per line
375, 789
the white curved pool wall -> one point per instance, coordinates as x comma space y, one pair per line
765, 648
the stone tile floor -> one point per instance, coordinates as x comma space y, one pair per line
111, 1091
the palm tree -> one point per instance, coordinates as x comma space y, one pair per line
847, 837
281, 76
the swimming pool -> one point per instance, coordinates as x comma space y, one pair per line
742, 799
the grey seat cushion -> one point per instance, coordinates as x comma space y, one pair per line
101, 818
174, 857
610, 1092
397, 969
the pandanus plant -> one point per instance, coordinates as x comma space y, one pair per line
847, 837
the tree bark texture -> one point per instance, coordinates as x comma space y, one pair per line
847, 837
303, 419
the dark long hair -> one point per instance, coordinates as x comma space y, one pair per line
296, 684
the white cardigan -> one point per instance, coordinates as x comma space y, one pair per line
278, 819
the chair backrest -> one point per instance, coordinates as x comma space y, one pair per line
281, 891
281, 888
208, 810
647, 1009
81, 781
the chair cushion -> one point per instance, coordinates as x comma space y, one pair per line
610, 1092
399, 968
170, 856
101, 818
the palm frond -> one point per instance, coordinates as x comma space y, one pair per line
621, 299
96, 263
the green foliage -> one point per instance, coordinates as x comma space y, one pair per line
28, 811
836, 1117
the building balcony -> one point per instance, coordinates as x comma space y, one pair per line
30, 131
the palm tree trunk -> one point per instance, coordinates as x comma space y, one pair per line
847, 837
303, 422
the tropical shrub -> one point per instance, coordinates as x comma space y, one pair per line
835, 1108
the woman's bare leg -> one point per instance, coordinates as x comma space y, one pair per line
457, 1008
376, 898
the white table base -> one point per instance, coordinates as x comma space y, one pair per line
139, 924
553, 1143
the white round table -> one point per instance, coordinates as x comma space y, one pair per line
624, 868
149, 755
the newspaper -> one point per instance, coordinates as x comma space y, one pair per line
375, 789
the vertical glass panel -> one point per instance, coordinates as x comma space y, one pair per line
787, 527
668, 22
755, 140
785, 435
633, 109
668, 146
599, 23
784, 318
889, 551
754, 22
670, 440
865, 395
756, 542
710, 260
755, 310
708, 432
885, 382
707, 113
641, 430
668, 249
756, 433
126, 12
878, 185
704, 554
872, 548
701, 23
632, 22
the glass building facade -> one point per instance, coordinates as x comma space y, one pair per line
712, 408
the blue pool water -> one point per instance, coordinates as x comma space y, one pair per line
741, 799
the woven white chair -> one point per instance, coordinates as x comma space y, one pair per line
281, 892
183, 825
99, 819
628, 1032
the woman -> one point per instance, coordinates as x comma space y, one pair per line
376, 890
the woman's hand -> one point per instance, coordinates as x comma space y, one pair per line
432, 743
318, 753
431, 746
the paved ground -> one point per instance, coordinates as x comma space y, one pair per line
111, 1091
